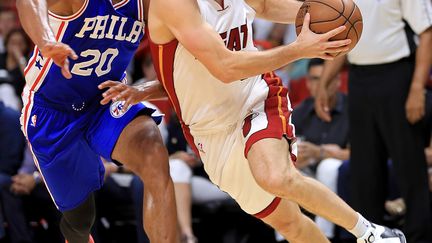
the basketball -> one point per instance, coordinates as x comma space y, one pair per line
326, 15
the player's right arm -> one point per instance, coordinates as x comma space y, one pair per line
183, 20
331, 69
34, 19
131, 94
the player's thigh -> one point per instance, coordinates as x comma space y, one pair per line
136, 139
126, 135
223, 156
270, 156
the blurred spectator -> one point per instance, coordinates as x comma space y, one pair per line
388, 73
8, 20
24, 198
11, 148
15, 59
191, 189
323, 145
147, 69
12, 141
21, 189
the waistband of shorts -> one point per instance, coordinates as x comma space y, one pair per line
76, 108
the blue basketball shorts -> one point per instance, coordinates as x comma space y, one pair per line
68, 142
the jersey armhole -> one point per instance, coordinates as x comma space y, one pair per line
70, 17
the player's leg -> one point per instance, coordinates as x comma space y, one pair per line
269, 156
272, 168
288, 220
76, 223
141, 149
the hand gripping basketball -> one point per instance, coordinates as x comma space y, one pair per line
312, 45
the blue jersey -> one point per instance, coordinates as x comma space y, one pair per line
104, 36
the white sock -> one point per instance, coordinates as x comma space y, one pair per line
361, 227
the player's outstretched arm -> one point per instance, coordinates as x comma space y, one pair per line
228, 66
33, 15
278, 11
132, 95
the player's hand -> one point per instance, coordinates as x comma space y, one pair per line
332, 151
120, 91
415, 104
311, 45
322, 104
309, 150
60, 54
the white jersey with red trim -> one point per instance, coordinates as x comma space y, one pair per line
204, 103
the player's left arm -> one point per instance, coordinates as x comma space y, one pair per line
132, 94
278, 11
418, 14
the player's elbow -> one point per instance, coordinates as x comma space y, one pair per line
225, 76
226, 72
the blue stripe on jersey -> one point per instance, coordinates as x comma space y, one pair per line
105, 39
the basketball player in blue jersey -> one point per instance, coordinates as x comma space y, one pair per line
80, 44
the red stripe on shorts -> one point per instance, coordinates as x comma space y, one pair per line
269, 209
276, 109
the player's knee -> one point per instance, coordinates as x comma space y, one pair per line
281, 182
147, 149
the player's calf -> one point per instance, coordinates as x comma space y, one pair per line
76, 224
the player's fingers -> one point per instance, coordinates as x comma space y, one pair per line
327, 56
108, 97
107, 84
127, 103
65, 69
337, 49
334, 32
105, 101
306, 22
68, 51
122, 95
72, 54
338, 43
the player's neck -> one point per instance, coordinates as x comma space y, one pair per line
116, 1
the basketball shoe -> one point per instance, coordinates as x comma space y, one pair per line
381, 234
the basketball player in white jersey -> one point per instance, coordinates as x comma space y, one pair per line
236, 117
